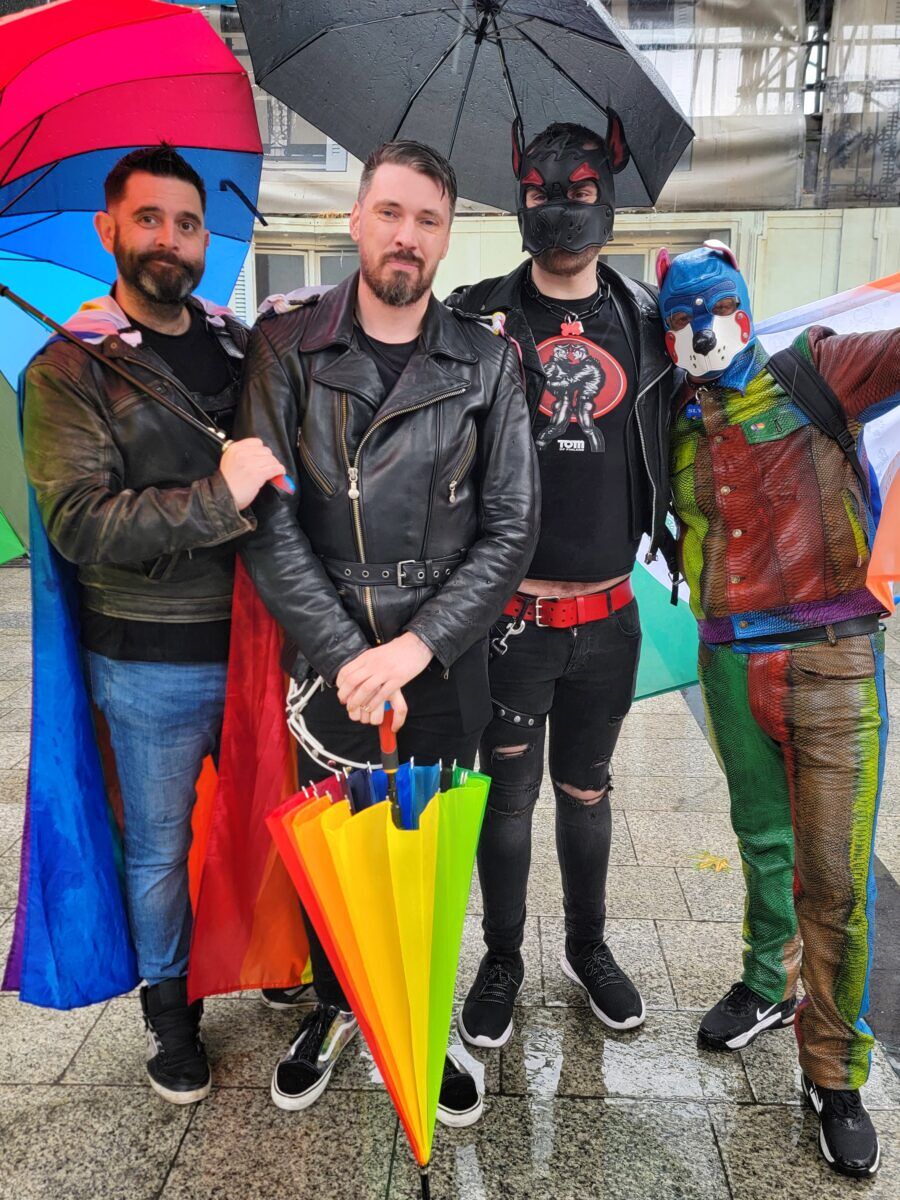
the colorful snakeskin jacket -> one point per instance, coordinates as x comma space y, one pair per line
774, 533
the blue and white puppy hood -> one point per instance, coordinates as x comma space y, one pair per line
705, 305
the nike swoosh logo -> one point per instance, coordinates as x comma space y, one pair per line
765, 1012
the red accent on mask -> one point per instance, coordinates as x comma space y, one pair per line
583, 172
533, 178
743, 322
670, 345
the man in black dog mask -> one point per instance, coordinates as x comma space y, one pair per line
598, 383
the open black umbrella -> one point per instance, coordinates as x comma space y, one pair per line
455, 74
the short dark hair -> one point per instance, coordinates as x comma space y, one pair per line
579, 133
162, 160
418, 156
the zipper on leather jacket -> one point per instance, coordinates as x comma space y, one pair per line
313, 468
356, 510
637, 412
352, 468
462, 468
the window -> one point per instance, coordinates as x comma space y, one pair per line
283, 270
278, 273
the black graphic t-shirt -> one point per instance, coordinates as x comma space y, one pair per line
580, 433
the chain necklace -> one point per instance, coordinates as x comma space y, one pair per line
572, 323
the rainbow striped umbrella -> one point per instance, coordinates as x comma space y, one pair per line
388, 904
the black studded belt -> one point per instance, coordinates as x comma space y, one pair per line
409, 572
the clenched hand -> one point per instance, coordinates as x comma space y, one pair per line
247, 465
366, 682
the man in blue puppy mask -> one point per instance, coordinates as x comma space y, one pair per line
775, 529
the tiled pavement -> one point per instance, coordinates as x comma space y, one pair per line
571, 1113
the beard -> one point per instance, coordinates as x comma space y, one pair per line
397, 288
564, 262
162, 278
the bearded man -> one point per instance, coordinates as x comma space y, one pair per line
414, 518
148, 511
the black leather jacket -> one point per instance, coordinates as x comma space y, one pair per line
126, 489
648, 428
445, 464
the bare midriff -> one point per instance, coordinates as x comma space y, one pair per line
559, 587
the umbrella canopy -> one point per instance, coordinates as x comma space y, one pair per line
388, 904
83, 82
455, 73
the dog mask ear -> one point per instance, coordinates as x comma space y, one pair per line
663, 262
619, 154
726, 251
517, 148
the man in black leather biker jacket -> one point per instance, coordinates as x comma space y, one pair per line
406, 428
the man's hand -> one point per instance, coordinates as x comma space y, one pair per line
247, 465
377, 675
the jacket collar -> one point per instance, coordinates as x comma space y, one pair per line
634, 301
331, 324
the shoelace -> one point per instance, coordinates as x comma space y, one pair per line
845, 1105
740, 998
179, 1032
498, 983
601, 966
311, 1033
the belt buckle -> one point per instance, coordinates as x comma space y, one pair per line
400, 566
538, 601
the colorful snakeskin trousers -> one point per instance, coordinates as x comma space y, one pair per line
800, 733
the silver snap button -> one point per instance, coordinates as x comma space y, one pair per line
516, 719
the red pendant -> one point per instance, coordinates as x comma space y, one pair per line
571, 329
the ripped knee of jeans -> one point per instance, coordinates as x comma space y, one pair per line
591, 795
511, 751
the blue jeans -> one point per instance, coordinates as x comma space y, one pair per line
164, 719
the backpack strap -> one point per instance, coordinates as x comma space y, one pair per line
813, 396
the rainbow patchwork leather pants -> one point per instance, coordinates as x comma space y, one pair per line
800, 732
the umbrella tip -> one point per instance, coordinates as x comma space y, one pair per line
426, 1183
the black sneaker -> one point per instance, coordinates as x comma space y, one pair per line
847, 1137
742, 1015
612, 995
487, 1015
176, 1059
282, 999
302, 1075
460, 1101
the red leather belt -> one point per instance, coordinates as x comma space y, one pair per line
549, 612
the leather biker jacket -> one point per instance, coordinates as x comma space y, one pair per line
648, 428
436, 482
128, 491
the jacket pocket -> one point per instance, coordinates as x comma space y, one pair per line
463, 464
120, 405
313, 469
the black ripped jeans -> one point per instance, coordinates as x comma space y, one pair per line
582, 680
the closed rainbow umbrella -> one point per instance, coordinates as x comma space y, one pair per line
389, 905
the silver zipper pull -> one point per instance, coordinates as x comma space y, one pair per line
353, 491
453, 486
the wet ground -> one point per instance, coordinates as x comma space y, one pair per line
571, 1112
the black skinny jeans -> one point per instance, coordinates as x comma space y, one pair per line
446, 718
582, 680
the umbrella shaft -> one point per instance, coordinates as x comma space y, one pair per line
61, 330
